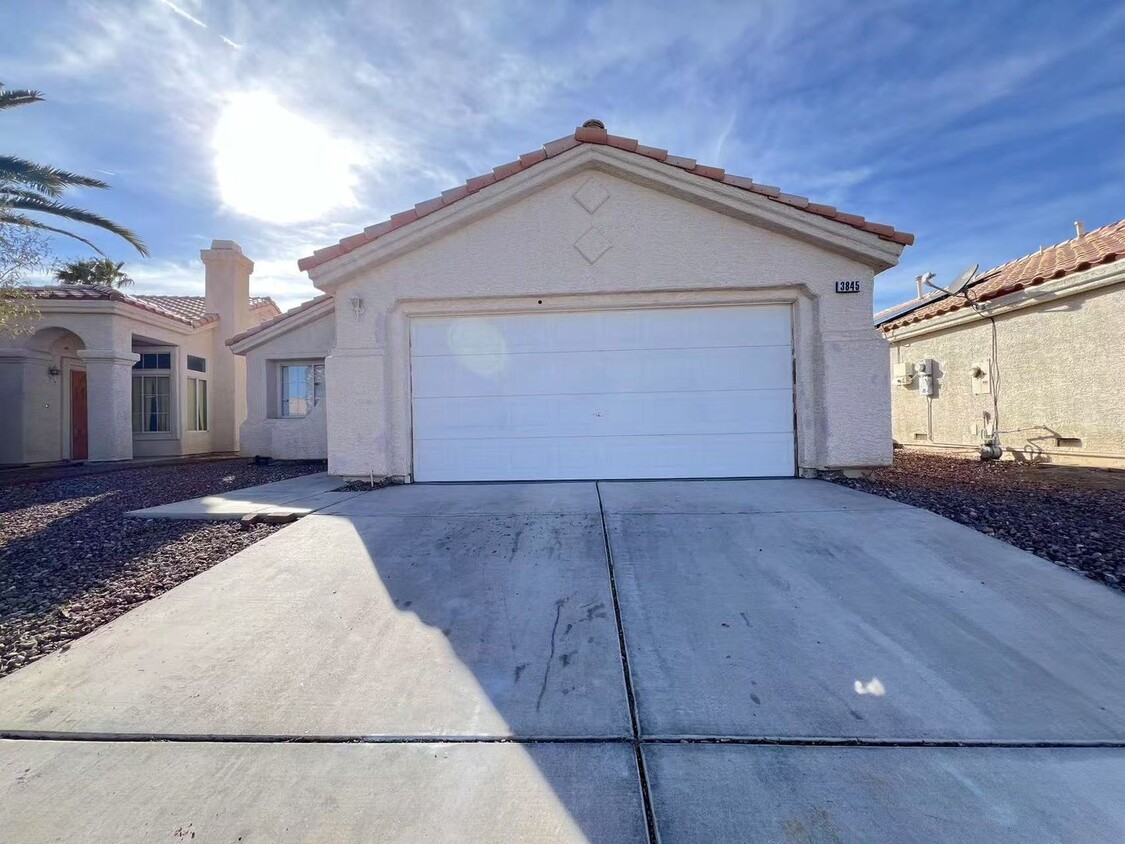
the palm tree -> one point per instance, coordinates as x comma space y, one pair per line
97, 271
27, 187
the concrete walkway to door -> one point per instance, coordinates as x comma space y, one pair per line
298, 496
702, 661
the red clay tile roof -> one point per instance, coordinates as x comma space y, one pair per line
192, 307
1100, 246
592, 135
186, 309
262, 326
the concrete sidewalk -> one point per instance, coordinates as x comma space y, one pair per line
297, 496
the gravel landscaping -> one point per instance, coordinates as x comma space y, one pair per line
1070, 516
70, 561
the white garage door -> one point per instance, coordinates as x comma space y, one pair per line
668, 393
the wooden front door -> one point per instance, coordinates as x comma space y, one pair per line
79, 433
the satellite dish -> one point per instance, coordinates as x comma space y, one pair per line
959, 283
963, 280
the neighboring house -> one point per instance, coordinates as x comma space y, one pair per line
1030, 353
596, 309
107, 375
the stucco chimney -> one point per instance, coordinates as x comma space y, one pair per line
227, 285
227, 294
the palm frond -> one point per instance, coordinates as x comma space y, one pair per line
78, 215
31, 223
9, 193
50, 180
17, 97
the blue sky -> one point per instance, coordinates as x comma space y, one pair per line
984, 128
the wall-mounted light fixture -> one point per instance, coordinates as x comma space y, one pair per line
54, 372
357, 306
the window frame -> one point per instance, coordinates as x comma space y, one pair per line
198, 412
140, 374
314, 398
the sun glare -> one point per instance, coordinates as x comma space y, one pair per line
276, 165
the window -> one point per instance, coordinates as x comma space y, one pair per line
154, 360
152, 393
196, 364
197, 404
302, 388
151, 402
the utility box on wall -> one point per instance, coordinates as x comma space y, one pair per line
924, 374
981, 378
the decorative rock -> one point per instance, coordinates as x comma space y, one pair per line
70, 561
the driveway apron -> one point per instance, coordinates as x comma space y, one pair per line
617, 661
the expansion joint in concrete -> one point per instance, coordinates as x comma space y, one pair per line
634, 715
631, 741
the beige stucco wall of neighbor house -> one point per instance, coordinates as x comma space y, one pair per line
664, 250
180, 440
265, 432
34, 402
101, 342
1057, 377
102, 338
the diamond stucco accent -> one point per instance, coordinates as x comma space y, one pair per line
591, 195
593, 244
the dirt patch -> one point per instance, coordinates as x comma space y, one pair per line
70, 561
1070, 516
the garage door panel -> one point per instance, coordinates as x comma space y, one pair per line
630, 370
711, 327
607, 415
690, 456
677, 393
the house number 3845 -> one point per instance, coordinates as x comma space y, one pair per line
847, 286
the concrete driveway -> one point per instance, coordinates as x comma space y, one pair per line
698, 661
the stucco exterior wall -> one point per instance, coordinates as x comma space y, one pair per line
1057, 377
35, 404
35, 417
180, 440
264, 432
663, 250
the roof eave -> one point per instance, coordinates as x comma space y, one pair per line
1072, 284
866, 247
114, 307
286, 322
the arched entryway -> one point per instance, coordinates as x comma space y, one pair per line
54, 397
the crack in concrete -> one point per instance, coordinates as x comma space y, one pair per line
551, 656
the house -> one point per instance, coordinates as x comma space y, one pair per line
1025, 358
595, 309
107, 375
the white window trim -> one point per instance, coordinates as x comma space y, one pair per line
173, 431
